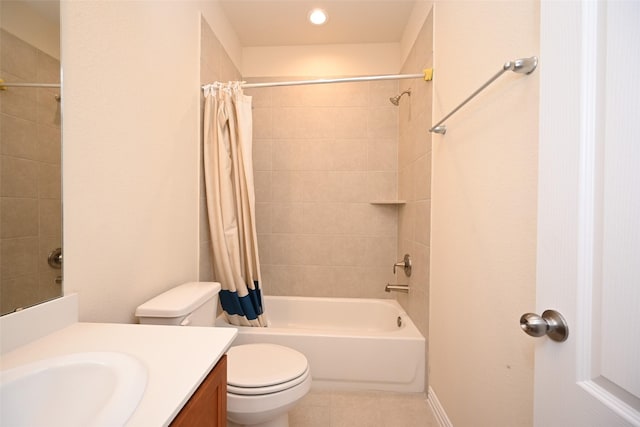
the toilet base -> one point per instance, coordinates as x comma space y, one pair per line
281, 421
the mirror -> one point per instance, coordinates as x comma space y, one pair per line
30, 151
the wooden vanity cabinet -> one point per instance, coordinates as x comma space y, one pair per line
208, 405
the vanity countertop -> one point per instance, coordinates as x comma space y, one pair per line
177, 358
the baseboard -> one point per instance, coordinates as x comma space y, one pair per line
438, 410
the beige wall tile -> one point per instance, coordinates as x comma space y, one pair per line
49, 112
350, 95
350, 250
335, 186
380, 251
263, 186
287, 186
382, 155
323, 217
19, 217
50, 217
19, 137
49, 144
288, 155
262, 154
314, 280
423, 222
19, 177
380, 92
317, 155
262, 123
228, 70
315, 248
19, 102
422, 169
382, 185
350, 122
264, 250
48, 68
264, 217
19, 257
315, 122
49, 181
348, 155
20, 291
285, 122
210, 54
382, 122
287, 218
18, 57
261, 97
406, 183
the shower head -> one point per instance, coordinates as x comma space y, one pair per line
395, 100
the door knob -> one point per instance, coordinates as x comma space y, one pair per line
551, 323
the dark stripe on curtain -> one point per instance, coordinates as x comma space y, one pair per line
249, 306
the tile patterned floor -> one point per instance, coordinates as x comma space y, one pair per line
362, 409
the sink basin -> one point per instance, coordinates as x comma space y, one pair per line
79, 389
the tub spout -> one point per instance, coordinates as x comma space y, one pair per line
397, 288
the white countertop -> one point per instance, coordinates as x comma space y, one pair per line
177, 358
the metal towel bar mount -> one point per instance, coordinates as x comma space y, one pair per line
520, 66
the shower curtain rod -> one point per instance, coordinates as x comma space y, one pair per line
4, 85
427, 75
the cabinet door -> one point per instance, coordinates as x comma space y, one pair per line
208, 405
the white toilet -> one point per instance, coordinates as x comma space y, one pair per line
264, 381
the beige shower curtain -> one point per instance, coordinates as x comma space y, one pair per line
228, 167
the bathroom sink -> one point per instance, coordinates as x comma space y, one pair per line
79, 389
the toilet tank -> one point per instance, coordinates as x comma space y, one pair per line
190, 304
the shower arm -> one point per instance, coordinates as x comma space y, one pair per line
520, 66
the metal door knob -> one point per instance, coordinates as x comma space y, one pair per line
551, 323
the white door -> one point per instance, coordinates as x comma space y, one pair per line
589, 213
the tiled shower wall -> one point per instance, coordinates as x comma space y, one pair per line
322, 155
414, 170
30, 179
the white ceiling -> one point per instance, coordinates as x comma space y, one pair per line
284, 22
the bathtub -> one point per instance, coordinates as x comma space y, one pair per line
353, 344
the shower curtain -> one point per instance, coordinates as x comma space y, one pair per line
228, 168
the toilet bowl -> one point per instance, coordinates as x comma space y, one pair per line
264, 381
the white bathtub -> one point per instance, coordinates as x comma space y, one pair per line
361, 344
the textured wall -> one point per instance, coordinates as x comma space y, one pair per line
483, 233
131, 105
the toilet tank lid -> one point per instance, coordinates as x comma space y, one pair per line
179, 301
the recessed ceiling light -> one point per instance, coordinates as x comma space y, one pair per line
318, 17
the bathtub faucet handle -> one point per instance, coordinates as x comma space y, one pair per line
405, 264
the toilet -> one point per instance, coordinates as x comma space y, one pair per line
264, 381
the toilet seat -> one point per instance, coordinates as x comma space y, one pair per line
255, 369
